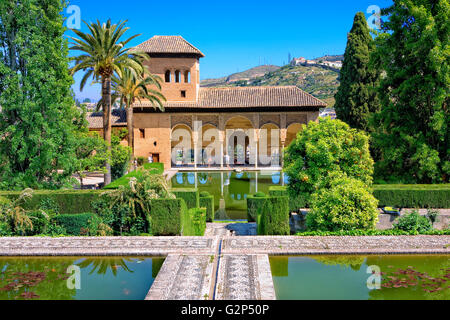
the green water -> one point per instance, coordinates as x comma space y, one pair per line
337, 277
230, 189
42, 278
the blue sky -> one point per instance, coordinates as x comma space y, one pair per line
234, 35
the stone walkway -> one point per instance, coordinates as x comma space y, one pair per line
219, 265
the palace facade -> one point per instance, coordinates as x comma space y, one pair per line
240, 122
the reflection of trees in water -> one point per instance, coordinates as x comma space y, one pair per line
354, 262
412, 277
36, 278
102, 265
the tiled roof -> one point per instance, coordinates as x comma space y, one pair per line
168, 44
118, 119
246, 97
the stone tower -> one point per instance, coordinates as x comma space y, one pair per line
176, 61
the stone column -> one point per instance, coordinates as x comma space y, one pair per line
256, 137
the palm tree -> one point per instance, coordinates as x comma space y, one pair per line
134, 87
103, 56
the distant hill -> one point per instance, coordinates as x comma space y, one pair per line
319, 81
240, 76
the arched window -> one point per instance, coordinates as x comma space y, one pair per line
187, 77
177, 76
168, 76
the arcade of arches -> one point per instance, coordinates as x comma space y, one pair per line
221, 140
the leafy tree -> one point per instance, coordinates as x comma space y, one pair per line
413, 122
356, 98
326, 148
103, 55
120, 155
37, 106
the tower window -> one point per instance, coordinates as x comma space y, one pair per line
177, 76
187, 77
183, 93
168, 76
142, 133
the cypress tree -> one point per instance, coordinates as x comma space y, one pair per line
356, 98
37, 106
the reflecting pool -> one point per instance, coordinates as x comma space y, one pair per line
230, 189
100, 278
403, 277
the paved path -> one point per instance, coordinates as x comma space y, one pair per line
220, 265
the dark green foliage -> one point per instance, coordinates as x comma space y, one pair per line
194, 222
413, 196
357, 233
41, 223
67, 201
296, 202
166, 215
84, 224
120, 155
356, 98
413, 222
254, 205
412, 127
37, 107
208, 203
190, 196
273, 219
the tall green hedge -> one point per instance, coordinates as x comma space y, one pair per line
189, 195
194, 222
166, 216
207, 201
254, 204
68, 201
82, 224
413, 196
400, 195
295, 202
273, 218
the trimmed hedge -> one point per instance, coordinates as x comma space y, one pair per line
78, 224
413, 196
273, 218
194, 222
295, 203
166, 216
189, 195
393, 195
207, 201
68, 201
254, 205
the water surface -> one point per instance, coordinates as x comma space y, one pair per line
101, 278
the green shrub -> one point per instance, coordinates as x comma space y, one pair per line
413, 222
358, 233
190, 196
345, 205
204, 194
41, 223
194, 222
67, 201
296, 202
273, 218
166, 216
207, 201
260, 194
413, 196
83, 224
4, 200
254, 205
322, 148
